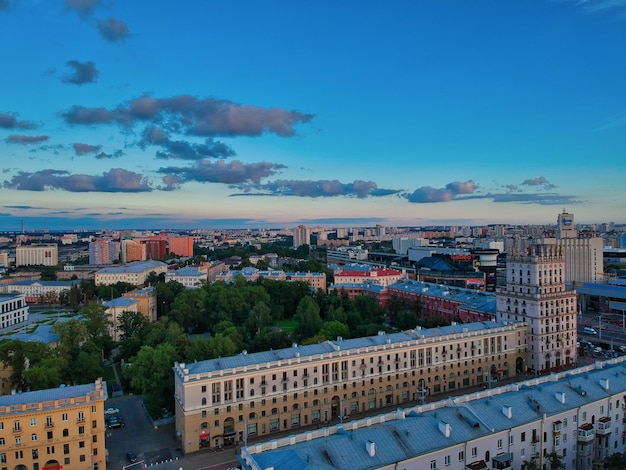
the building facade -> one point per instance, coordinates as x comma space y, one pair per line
37, 255
134, 273
103, 252
180, 246
220, 401
146, 301
13, 309
359, 274
315, 280
577, 416
189, 276
301, 236
47, 292
535, 293
60, 428
114, 309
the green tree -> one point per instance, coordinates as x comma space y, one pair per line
19, 356
259, 318
200, 349
132, 327
333, 329
530, 465
189, 310
555, 461
406, 320
308, 318
49, 273
616, 461
45, 374
97, 325
150, 373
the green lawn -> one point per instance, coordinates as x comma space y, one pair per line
287, 325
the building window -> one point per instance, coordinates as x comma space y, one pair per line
433, 465
49, 435
474, 451
499, 443
82, 458
18, 440
33, 421
2, 441
33, 437
3, 458
81, 445
461, 456
446, 460
66, 448
35, 453
81, 429
64, 417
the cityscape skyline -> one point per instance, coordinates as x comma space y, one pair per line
117, 115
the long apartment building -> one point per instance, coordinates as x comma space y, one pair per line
315, 280
133, 273
53, 429
578, 415
35, 255
221, 401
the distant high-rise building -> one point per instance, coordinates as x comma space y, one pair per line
132, 251
565, 227
535, 293
180, 246
380, 230
584, 259
155, 248
301, 236
99, 252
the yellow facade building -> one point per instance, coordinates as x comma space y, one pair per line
59, 428
222, 402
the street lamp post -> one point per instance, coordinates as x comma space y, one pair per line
600, 326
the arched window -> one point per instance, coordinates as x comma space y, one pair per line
66, 432
204, 425
203, 401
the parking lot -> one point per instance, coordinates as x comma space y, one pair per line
150, 445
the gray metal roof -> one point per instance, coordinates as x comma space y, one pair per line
244, 359
49, 394
418, 431
120, 302
135, 267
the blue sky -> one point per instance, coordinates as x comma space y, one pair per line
206, 114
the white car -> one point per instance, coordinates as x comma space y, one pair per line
111, 411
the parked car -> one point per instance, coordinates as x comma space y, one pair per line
111, 411
116, 424
132, 458
622, 349
597, 350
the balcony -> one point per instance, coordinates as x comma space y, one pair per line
604, 426
586, 433
17, 430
